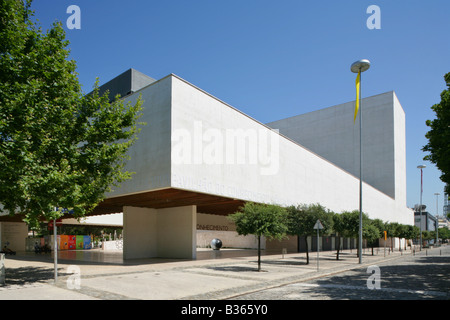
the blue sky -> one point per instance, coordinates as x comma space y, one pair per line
274, 59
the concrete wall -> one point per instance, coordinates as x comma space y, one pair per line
125, 83
14, 233
194, 141
399, 151
275, 169
150, 155
213, 222
139, 233
164, 233
230, 239
177, 232
332, 134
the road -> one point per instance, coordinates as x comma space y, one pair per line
423, 276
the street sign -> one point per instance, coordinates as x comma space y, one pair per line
318, 225
58, 223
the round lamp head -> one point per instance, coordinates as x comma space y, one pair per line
360, 65
422, 166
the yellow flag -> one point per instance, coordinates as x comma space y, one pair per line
358, 83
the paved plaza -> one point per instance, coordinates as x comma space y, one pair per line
227, 274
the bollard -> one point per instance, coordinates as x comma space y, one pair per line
2, 270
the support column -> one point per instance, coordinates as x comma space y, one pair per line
162, 233
177, 232
139, 228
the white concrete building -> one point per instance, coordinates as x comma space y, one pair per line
198, 155
198, 159
332, 134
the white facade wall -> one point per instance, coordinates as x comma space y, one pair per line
333, 134
150, 155
399, 153
191, 142
289, 174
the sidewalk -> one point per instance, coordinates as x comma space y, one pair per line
215, 275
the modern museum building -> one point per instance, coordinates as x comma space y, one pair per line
198, 159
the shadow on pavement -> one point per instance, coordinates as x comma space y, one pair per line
419, 278
30, 275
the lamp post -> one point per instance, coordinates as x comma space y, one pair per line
421, 167
359, 67
437, 194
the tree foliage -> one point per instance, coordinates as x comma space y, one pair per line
260, 220
58, 147
371, 232
339, 229
444, 233
301, 221
303, 218
438, 136
275, 222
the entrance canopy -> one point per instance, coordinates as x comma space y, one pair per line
169, 198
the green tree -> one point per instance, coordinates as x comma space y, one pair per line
339, 229
58, 147
394, 231
390, 230
301, 221
350, 220
380, 226
438, 136
260, 220
444, 234
427, 236
403, 232
412, 232
371, 233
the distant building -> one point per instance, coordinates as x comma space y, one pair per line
443, 222
429, 222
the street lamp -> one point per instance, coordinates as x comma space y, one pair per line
420, 207
359, 67
437, 194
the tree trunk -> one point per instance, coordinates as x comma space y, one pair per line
307, 252
259, 253
339, 247
357, 247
